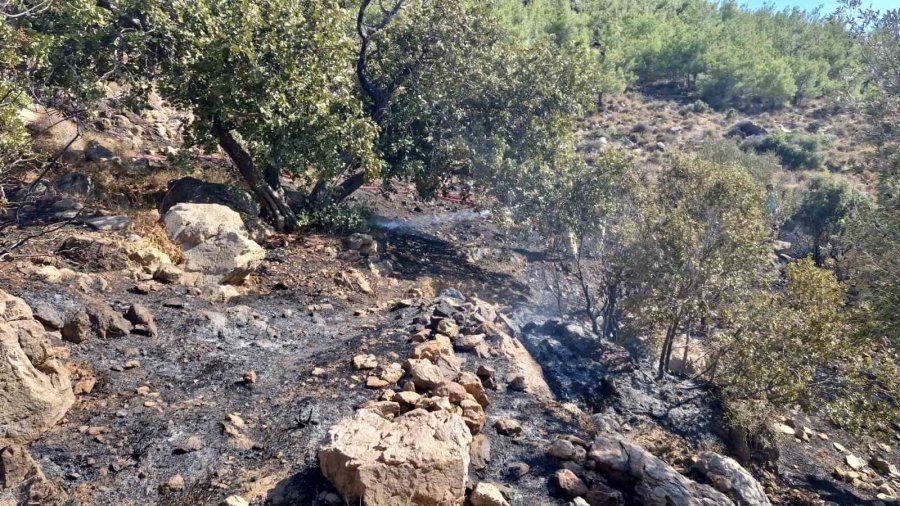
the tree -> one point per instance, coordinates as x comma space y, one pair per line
703, 249
826, 205
269, 81
457, 95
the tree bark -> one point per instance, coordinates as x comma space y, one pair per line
667, 349
271, 200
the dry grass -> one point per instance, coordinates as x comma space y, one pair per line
146, 224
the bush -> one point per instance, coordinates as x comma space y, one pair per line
796, 151
728, 153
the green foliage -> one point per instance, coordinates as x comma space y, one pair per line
723, 54
796, 150
788, 339
703, 247
825, 207
339, 218
475, 99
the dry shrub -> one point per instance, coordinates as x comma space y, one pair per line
146, 224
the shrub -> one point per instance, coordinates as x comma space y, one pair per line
796, 151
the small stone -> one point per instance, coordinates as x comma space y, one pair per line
235, 500
365, 362
392, 373
517, 470
854, 462
784, 429
250, 377
168, 273
408, 399
486, 494
448, 328
132, 364
376, 383
175, 483
508, 427
562, 449
191, 444
469, 342
108, 222
424, 374
318, 371
473, 386
570, 483
839, 447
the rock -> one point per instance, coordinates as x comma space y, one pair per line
728, 477
354, 280
214, 241
175, 483
448, 328
406, 398
96, 152
431, 350
604, 495
20, 474
855, 463
78, 329
190, 445
570, 483
168, 273
839, 447
419, 458
562, 449
48, 317
249, 377
189, 190
108, 222
74, 184
487, 494
424, 374
365, 362
107, 323
363, 243
385, 409
473, 414
653, 481
35, 394
473, 386
90, 253
784, 429
138, 314
469, 342
392, 373
517, 470
480, 452
883, 466
508, 427
235, 500
376, 383
451, 390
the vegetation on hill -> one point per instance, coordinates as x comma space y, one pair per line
489, 94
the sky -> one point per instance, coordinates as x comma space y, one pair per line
827, 5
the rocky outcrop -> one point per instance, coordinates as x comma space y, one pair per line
35, 391
628, 466
214, 241
727, 476
418, 458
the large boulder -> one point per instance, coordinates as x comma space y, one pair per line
23, 476
35, 391
628, 466
189, 190
727, 476
214, 241
420, 458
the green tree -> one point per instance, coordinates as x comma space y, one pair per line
703, 249
826, 205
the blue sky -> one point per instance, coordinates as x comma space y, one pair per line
828, 5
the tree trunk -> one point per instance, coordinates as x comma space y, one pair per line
610, 312
271, 200
667, 349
